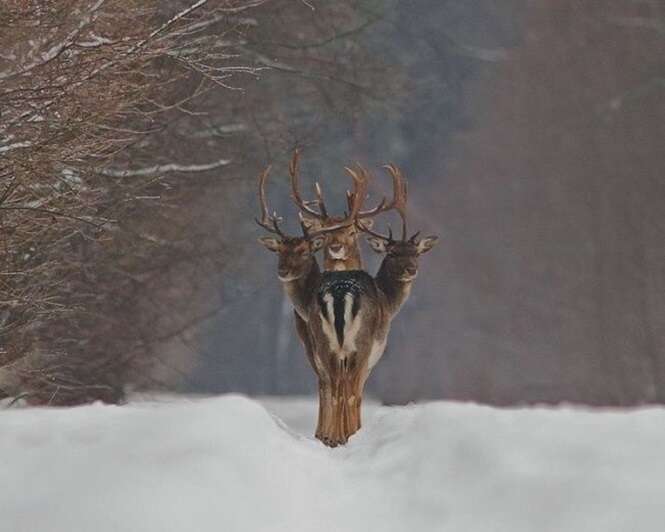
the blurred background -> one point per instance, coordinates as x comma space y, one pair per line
531, 133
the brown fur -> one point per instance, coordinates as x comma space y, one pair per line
343, 380
296, 262
339, 408
342, 370
341, 249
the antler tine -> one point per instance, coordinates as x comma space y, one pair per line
360, 179
269, 223
357, 197
398, 201
414, 237
295, 190
400, 195
305, 230
319, 200
365, 229
355, 200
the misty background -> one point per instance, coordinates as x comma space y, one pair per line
531, 133
532, 137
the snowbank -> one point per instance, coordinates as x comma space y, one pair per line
226, 464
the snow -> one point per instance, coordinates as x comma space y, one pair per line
230, 463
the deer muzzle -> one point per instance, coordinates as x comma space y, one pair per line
409, 274
337, 251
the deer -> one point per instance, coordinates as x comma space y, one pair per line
298, 269
349, 329
341, 250
343, 316
400, 265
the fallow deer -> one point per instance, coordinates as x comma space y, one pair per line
343, 317
297, 267
349, 328
341, 250
400, 265
341, 254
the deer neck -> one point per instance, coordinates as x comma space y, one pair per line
300, 291
395, 290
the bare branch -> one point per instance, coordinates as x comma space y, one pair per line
164, 169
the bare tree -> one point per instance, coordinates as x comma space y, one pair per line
118, 119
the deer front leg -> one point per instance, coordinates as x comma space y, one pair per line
340, 431
339, 401
356, 381
347, 398
360, 378
354, 400
331, 425
324, 425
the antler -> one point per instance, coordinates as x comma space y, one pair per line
398, 203
356, 199
297, 197
365, 229
269, 223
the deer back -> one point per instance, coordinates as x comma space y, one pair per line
345, 315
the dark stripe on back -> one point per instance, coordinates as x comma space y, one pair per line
338, 285
338, 307
356, 307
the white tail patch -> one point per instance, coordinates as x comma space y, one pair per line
351, 325
328, 323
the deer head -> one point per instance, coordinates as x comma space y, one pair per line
401, 261
341, 248
295, 253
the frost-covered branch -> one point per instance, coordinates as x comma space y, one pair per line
164, 169
56, 49
15, 146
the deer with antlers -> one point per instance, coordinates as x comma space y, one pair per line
356, 311
343, 316
299, 272
341, 250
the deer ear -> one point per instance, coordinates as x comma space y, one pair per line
426, 244
272, 243
377, 244
317, 243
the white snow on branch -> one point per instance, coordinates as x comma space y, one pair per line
163, 169
15, 146
57, 48
95, 41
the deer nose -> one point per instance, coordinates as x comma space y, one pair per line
335, 248
282, 271
411, 270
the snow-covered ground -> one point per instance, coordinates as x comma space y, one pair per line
230, 464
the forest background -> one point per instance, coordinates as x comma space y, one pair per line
131, 134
